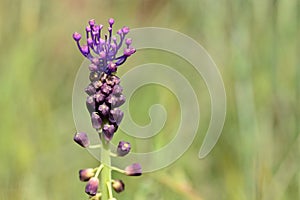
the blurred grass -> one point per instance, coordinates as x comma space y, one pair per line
256, 45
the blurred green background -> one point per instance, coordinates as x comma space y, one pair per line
256, 45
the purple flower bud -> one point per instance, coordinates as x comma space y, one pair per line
88, 29
90, 89
103, 109
108, 131
82, 139
123, 148
112, 67
94, 76
90, 104
96, 121
116, 116
92, 22
125, 30
128, 41
119, 32
115, 101
93, 67
99, 97
97, 84
89, 41
102, 54
111, 21
116, 80
86, 174
133, 170
118, 185
129, 51
95, 61
117, 89
76, 36
96, 29
105, 88
92, 186
85, 49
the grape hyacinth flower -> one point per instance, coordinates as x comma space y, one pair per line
104, 97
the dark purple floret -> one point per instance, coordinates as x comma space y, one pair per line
115, 101
82, 139
117, 90
133, 170
90, 104
103, 109
92, 186
99, 97
94, 76
93, 67
123, 148
116, 116
104, 49
96, 121
118, 185
86, 174
90, 89
108, 131
97, 84
105, 88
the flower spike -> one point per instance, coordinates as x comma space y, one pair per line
104, 98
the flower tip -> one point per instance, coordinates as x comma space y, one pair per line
92, 22
76, 36
111, 21
133, 170
92, 186
82, 139
88, 29
128, 41
125, 29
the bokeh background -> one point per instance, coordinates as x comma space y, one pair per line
256, 46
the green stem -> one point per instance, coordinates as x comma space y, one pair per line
106, 171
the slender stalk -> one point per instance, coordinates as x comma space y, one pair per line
106, 171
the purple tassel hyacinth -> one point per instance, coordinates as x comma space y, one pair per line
103, 102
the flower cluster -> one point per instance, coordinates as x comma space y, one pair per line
103, 101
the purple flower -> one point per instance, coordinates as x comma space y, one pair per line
105, 88
92, 186
116, 116
86, 174
117, 90
90, 89
82, 139
118, 185
116, 101
103, 109
108, 131
90, 104
133, 170
96, 121
99, 97
123, 148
